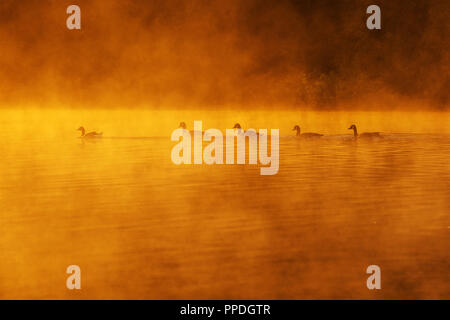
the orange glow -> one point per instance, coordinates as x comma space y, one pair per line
141, 227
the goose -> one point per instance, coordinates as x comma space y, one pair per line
364, 134
306, 134
183, 126
92, 134
242, 131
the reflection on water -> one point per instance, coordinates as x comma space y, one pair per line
141, 227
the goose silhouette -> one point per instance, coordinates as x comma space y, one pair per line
183, 126
306, 134
92, 134
366, 135
242, 131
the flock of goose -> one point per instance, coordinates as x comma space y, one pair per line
352, 127
237, 126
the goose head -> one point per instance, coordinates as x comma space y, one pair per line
297, 128
183, 125
237, 126
355, 132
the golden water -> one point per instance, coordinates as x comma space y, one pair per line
141, 227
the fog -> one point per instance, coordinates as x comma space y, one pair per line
308, 54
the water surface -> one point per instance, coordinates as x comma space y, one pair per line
141, 227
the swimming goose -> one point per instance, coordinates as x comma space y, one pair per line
92, 134
306, 134
183, 126
364, 134
242, 131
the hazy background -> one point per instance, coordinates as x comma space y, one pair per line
314, 54
142, 227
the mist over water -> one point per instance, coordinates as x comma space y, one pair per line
315, 54
141, 227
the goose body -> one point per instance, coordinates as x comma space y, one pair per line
306, 134
364, 135
92, 134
